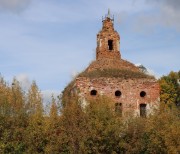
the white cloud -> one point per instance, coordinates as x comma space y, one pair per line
170, 17
164, 13
147, 70
171, 3
74, 74
14, 6
24, 81
151, 72
47, 95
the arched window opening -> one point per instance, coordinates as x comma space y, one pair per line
118, 108
118, 93
110, 44
93, 92
142, 93
143, 110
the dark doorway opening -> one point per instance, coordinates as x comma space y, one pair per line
143, 110
118, 108
110, 44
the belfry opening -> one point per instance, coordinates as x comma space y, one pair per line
110, 44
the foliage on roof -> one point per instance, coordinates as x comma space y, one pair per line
116, 73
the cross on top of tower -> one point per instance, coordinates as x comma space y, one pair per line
109, 15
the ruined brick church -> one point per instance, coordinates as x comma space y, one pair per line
129, 88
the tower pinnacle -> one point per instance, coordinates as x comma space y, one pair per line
109, 13
108, 40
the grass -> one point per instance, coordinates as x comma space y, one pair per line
116, 73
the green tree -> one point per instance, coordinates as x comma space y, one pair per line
170, 89
105, 127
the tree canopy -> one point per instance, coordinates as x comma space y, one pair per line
26, 128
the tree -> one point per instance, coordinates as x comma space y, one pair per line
170, 89
34, 100
52, 128
105, 127
73, 128
35, 135
17, 99
13, 118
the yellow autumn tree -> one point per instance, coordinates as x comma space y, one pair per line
52, 128
13, 118
17, 98
35, 136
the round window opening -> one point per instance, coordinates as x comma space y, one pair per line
93, 92
117, 93
142, 93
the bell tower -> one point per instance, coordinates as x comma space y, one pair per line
108, 40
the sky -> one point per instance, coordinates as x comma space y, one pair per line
50, 41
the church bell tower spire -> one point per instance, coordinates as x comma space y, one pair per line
108, 40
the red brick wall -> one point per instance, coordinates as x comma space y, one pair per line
107, 33
130, 89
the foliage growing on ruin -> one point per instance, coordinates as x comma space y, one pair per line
116, 73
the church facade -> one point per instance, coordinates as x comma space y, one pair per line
130, 89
